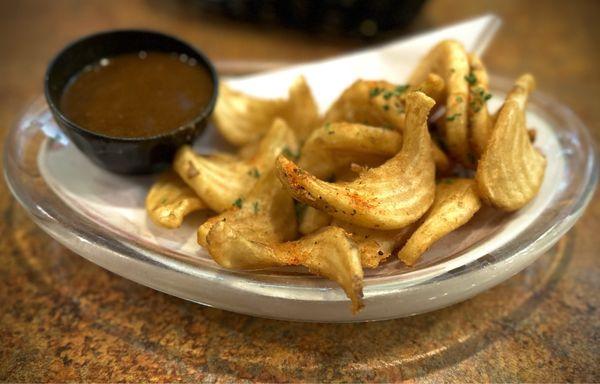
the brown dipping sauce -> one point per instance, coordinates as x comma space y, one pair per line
138, 94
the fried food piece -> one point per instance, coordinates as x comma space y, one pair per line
511, 170
312, 220
328, 252
266, 214
222, 183
336, 146
433, 86
449, 60
374, 245
390, 196
357, 104
243, 119
170, 200
456, 201
255, 235
480, 121
380, 103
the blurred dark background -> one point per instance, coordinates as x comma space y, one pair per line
355, 18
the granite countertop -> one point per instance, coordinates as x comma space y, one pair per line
65, 319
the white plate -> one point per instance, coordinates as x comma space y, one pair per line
101, 216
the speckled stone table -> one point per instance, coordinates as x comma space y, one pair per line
64, 319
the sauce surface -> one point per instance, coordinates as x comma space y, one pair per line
138, 94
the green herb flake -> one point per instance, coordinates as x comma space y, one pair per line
254, 172
255, 207
487, 96
388, 94
386, 107
163, 200
238, 202
374, 92
400, 89
471, 79
289, 154
452, 117
299, 209
447, 181
459, 99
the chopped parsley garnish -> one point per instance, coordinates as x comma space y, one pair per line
254, 173
299, 209
459, 99
374, 92
447, 181
255, 207
401, 88
452, 117
387, 94
238, 202
289, 154
328, 128
471, 79
478, 98
386, 107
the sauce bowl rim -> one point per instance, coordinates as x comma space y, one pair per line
204, 61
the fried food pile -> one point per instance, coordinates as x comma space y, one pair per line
371, 179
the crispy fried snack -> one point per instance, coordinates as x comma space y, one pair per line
374, 245
390, 196
433, 86
266, 214
456, 201
243, 119
170, 200
379, 103
255, 236
357, 104
336, 146
328, 252
511, 170
221, 183
449, 60
480, 121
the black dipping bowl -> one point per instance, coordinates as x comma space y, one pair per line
118, 154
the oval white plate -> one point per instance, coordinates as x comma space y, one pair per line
101, 217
